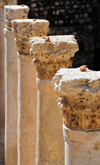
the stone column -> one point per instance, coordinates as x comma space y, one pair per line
2, 68
11, 83
50, 54
27, 94
80, 101
2, 77
2, 80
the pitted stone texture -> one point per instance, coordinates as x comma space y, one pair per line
23, 47
14, 12
80, 97
24, 29
53, 55
6, 2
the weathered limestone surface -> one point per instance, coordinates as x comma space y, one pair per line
11, 101
80, 101
27, 28
27, 111
2, 82
6, 2
52, 55
30, 27
80, 97
27, 94
2, 77
81, 147
11, 84
50, 145
14, 12
48, 57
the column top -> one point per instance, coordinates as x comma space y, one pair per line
72, 79
52, 53
61, 47
79, 97
12, 12
7, 2
26, 28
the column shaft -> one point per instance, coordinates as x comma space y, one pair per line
2, 79
50, 53
11, 103
27, 94
2, 89
50, 145
27, 108
11, 83
81, 147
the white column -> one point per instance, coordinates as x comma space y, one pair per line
27, 92
11, 84
50, 53
79, 93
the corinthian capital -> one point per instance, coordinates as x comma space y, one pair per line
26, 28
79, 97
52, 53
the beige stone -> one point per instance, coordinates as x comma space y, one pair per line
27, 95
13, 12
80, 99
27, 28
50, 54
2, 82
2, 78
27, 108
81, 147
6, 2
50, 144
11, 101
11, 86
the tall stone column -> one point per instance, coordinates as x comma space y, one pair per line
27, 92
11, 83
79, 99
2, 68
2, 81
50, 54
2, 77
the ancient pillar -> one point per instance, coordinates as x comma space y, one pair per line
2, 68
79, 99
11, 83
27, 93
50, 54
2, 77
